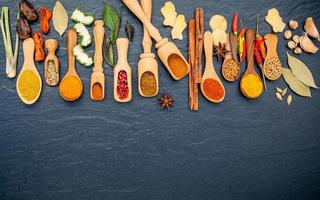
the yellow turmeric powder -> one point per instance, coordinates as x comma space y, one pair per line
29, 85
251, 86
70, 88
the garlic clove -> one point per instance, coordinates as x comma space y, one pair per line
291, 44
311, 28
287, 34
297, 51
307, 45
293, 25
296, 39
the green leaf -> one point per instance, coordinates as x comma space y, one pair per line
295, 85
108, 52
112, 18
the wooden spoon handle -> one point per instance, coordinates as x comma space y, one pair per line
208, 42
250, 37
122, 48
98, 33
136, 9
71, 43
271, 41
28, 52
146, 42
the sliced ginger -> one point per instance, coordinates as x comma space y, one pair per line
179, 27
169, 13
275, 20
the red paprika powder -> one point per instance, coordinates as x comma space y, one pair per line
213, 89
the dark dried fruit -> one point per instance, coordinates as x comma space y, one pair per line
23, 28
28, 10
129, 31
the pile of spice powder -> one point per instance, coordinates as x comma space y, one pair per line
148, 84
51, 73
213, 89
71, 87
251, 86
97, 92
29, 85
122, 85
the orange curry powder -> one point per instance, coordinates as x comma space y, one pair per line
213, 89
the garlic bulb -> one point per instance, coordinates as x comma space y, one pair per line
297, 51
293, 25
291, 44
307, 45
311, 28
296, 39
287, 34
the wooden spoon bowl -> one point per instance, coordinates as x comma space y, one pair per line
28, 65
210, 72
72, 73
230, 61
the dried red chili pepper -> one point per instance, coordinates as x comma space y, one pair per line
235, 23
244, 54
39, 54
45, 16
257, 54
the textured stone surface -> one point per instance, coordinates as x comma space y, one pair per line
239, 149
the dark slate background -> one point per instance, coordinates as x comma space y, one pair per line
239, 149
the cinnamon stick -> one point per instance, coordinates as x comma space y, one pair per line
192, 48
201, 43
199, 15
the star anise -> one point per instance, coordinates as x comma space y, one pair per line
220, 51
166, 101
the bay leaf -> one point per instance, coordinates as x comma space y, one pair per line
60, 18
295, 85
301, 71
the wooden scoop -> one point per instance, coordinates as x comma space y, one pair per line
28, 64
231, 55
51, 46
122, 65
209, 72
71, 43
97, 76
271, 41
250, 39
168, 52
147, 59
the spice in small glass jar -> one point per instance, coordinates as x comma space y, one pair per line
51, 73
122, 85
148, 84
213, 89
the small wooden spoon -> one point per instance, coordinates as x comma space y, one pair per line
71, 43
97, 77
272, 67
209, 72
168, 52
122, 65
147, 58
250, 38
28, 64
230, 57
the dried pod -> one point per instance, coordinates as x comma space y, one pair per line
129, 31
28, 10
297, 51
307, 45
23, 28
279, 96
293, 25
284, 92
291, 44
279, 90
289, 99
311, 28
296, 39
287, 34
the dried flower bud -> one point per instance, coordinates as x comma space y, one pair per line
293, 25
291, 44
287, 34
297, 51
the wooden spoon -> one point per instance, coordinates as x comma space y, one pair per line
272, 67
168, 52
147, 62
97, 77
71, 43
122, 65
230, 57
250, 39
209, 72
28, 64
